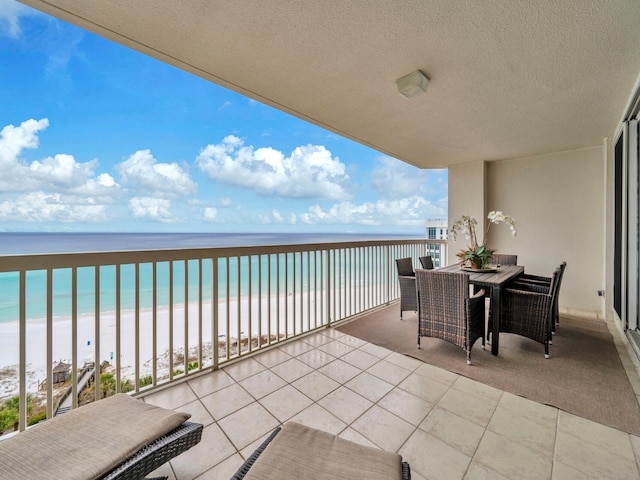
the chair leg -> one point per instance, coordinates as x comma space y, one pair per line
418, 341
469, 356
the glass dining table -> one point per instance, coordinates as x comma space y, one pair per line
492, 279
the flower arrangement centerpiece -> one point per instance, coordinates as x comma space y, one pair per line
477, 255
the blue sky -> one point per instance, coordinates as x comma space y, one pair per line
95, 137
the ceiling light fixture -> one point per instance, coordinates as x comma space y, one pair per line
413, 84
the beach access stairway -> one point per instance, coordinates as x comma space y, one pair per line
161, 316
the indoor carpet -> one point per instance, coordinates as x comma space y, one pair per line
584, 375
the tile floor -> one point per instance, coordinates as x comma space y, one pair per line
445, 425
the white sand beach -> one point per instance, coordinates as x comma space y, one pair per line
234, 321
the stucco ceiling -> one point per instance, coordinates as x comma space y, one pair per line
507, 78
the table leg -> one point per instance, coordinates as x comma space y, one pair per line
495, 319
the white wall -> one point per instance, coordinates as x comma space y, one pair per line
467, 199
558, 202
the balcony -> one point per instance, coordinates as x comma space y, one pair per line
443, 424
294, 365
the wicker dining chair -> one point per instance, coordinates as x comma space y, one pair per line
544, 283
426, 262
528, 311
446, 311
407, 281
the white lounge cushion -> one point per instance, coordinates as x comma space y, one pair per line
86, 442
302, 452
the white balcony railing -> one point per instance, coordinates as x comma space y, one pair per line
152, 317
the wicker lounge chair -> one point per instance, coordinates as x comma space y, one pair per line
407, 281
118, 437
298, 451
446, 311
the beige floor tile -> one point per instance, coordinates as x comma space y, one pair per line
345, 404
603, 438
406, 405
316, 358
512, 459
536, 435
433, 459
224, 470
355, 342
262, 384
199, 414
404, 361
211, 382
530, 410
437, 374
360, 359
635, 443
291, 370
340, 371
383, 428
353, 436
296, 348
172, 398
375, 350
285, 403
226, 401
460, 433
317, 339
587, 456
389, 372
425, 388
369, 387
336, 348
478, 410
315, 385
333, 333
248, 424
317, 417
477, 471
244, 369
272, 357
478, 390
564, 472
201, 457
247, 451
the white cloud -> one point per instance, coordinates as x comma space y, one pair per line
395, 179
309, 172
411, 211
60, 173
42, 207
145, 174
150, 208
226, 202
62, 170
210, 214
10, 12
13, 140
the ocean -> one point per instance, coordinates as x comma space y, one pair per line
36, 243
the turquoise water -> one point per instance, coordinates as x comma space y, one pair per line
36, 292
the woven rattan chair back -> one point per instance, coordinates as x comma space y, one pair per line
407, 281
445, 310
529, 312
503, 259
426, 262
